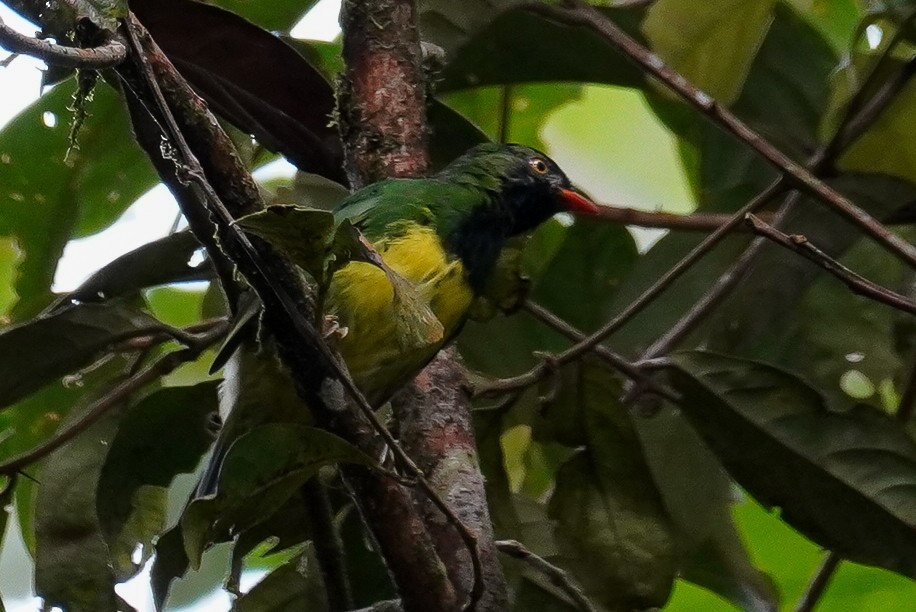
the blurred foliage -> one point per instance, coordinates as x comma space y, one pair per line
790, 412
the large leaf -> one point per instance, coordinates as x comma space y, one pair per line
612, 529
51, 346
72, 568
157, 263
225, 58
699, 497
260, 471
519, 46
49, 196
279, 15
690, 36
845, 479
165, 434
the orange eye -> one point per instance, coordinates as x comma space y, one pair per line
538, 165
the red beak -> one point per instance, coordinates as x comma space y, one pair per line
578, 203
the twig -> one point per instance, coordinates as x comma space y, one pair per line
819, 582
582, 14
585, 345
505, 112
107, 55
857, 117
908, 397
557, 576
695, 222
118, 394
616, 361
856, 282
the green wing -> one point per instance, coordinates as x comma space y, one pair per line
384, 209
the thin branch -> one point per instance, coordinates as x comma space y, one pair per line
859, 115
693, 222
558, 577
582, 14
616, 361
107, 55
540, 371
505, 112
857, 283
819, 582
114, 397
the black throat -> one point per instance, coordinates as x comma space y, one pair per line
479, 238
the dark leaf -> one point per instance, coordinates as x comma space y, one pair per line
49, 197
301, 234
287, 106
72, 568
521, 47
845, 479
699, 497
261, 470
287, 527
156, 263
171, 562
165, 434
612, 530
450, 134
276, 16
51, 346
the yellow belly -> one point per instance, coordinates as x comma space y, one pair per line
363, 300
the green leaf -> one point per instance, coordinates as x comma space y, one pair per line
301, 234
47, 199
612, 529
845, 479
156, 263
165, 434
260, 471
450, 24
295, 585
518, 46
72, 568
690, 36
887, 146
837, 20
699, 497
276, 16
57, 344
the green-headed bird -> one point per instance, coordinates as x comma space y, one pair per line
443, 235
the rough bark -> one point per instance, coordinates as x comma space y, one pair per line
382, 115
382, 95
437, 430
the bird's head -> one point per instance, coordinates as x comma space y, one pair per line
525, 186
513, 190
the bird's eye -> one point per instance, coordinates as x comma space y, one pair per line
538, 165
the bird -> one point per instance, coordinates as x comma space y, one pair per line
442, 237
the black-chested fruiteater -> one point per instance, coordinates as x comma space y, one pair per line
444, 236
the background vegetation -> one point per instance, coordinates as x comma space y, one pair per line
792, 392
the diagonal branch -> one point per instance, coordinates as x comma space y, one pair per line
579, 13
856, 282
